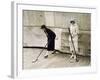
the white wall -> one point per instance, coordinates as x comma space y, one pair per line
57, 21
5, 40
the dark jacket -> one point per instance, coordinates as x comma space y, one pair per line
50, 39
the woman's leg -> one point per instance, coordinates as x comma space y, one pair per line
71, 49
76, 46
46, 54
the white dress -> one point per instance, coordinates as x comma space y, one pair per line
74, 31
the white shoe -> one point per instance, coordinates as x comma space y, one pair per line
72, 56
75, 57
46, 55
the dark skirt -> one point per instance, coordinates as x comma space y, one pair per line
51, 45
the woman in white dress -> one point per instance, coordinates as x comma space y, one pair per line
74, 30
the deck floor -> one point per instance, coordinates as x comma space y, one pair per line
57, 60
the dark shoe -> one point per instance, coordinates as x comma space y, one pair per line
53, 53
46, 56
